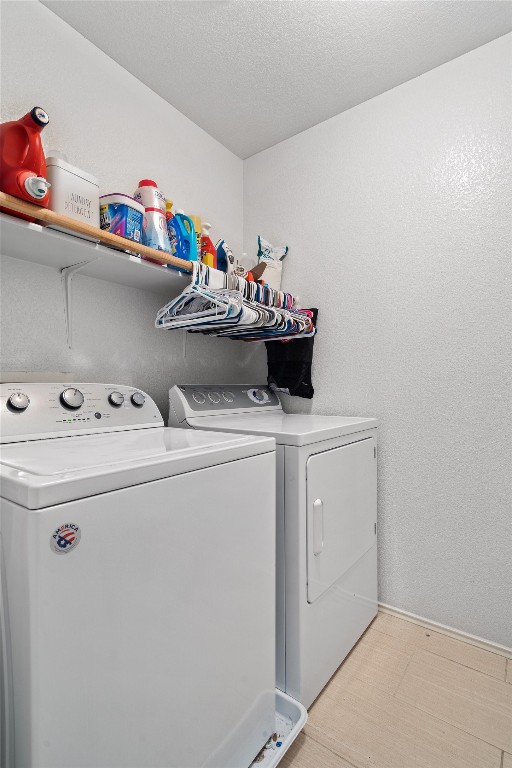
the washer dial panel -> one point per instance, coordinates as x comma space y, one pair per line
31, 410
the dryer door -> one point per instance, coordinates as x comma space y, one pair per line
342, 511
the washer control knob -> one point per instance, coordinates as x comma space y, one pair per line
72, 399
214, 397
199, 398
18, 402
228, 397
138, 399
258, 396
116, 399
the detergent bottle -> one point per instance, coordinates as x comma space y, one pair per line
197, 228
182, 236
171, 232
154, 232
208, 250
22, 160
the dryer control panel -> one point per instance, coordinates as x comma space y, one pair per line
187, 400
36, 411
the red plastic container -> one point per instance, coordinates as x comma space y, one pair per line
22, 160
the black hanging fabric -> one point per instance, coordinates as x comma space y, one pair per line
289, 365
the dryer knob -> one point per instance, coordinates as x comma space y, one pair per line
18, 402
138, 399
72, 399
258, 396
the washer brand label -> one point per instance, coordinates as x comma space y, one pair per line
65, 538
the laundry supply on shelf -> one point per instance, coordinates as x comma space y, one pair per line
22, 160
170, 231
73, 192
255, 274
154, 230
273, 257
225, 258
122, 215
208, 250
182, 236
197, 229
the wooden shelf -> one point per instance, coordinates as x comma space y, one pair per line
81, 229
71, 254
40, 245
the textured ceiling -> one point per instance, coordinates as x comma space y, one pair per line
254, 72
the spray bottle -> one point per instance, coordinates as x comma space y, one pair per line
208, 250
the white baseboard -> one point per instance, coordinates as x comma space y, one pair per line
488, 645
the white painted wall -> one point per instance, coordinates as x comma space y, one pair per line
397, 214
397, 217
110, 124
114, 339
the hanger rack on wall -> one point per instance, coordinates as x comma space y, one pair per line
220, 304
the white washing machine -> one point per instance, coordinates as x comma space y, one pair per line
137, 584
326, 523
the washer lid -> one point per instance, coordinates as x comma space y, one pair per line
40, 474
287, 428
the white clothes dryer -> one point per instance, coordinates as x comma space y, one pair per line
137, 585
326, 523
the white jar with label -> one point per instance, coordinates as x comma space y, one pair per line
73, 192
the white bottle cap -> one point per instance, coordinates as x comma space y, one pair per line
37, 187
206, 228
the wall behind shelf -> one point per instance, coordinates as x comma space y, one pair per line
114, 339
111, 125
398, 213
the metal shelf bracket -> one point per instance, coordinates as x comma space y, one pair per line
67, 274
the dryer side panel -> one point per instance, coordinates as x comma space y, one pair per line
280, 572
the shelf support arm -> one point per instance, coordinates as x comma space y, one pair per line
67, 274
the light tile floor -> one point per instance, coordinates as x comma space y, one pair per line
409, 697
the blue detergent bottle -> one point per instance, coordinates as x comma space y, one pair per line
182, 235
